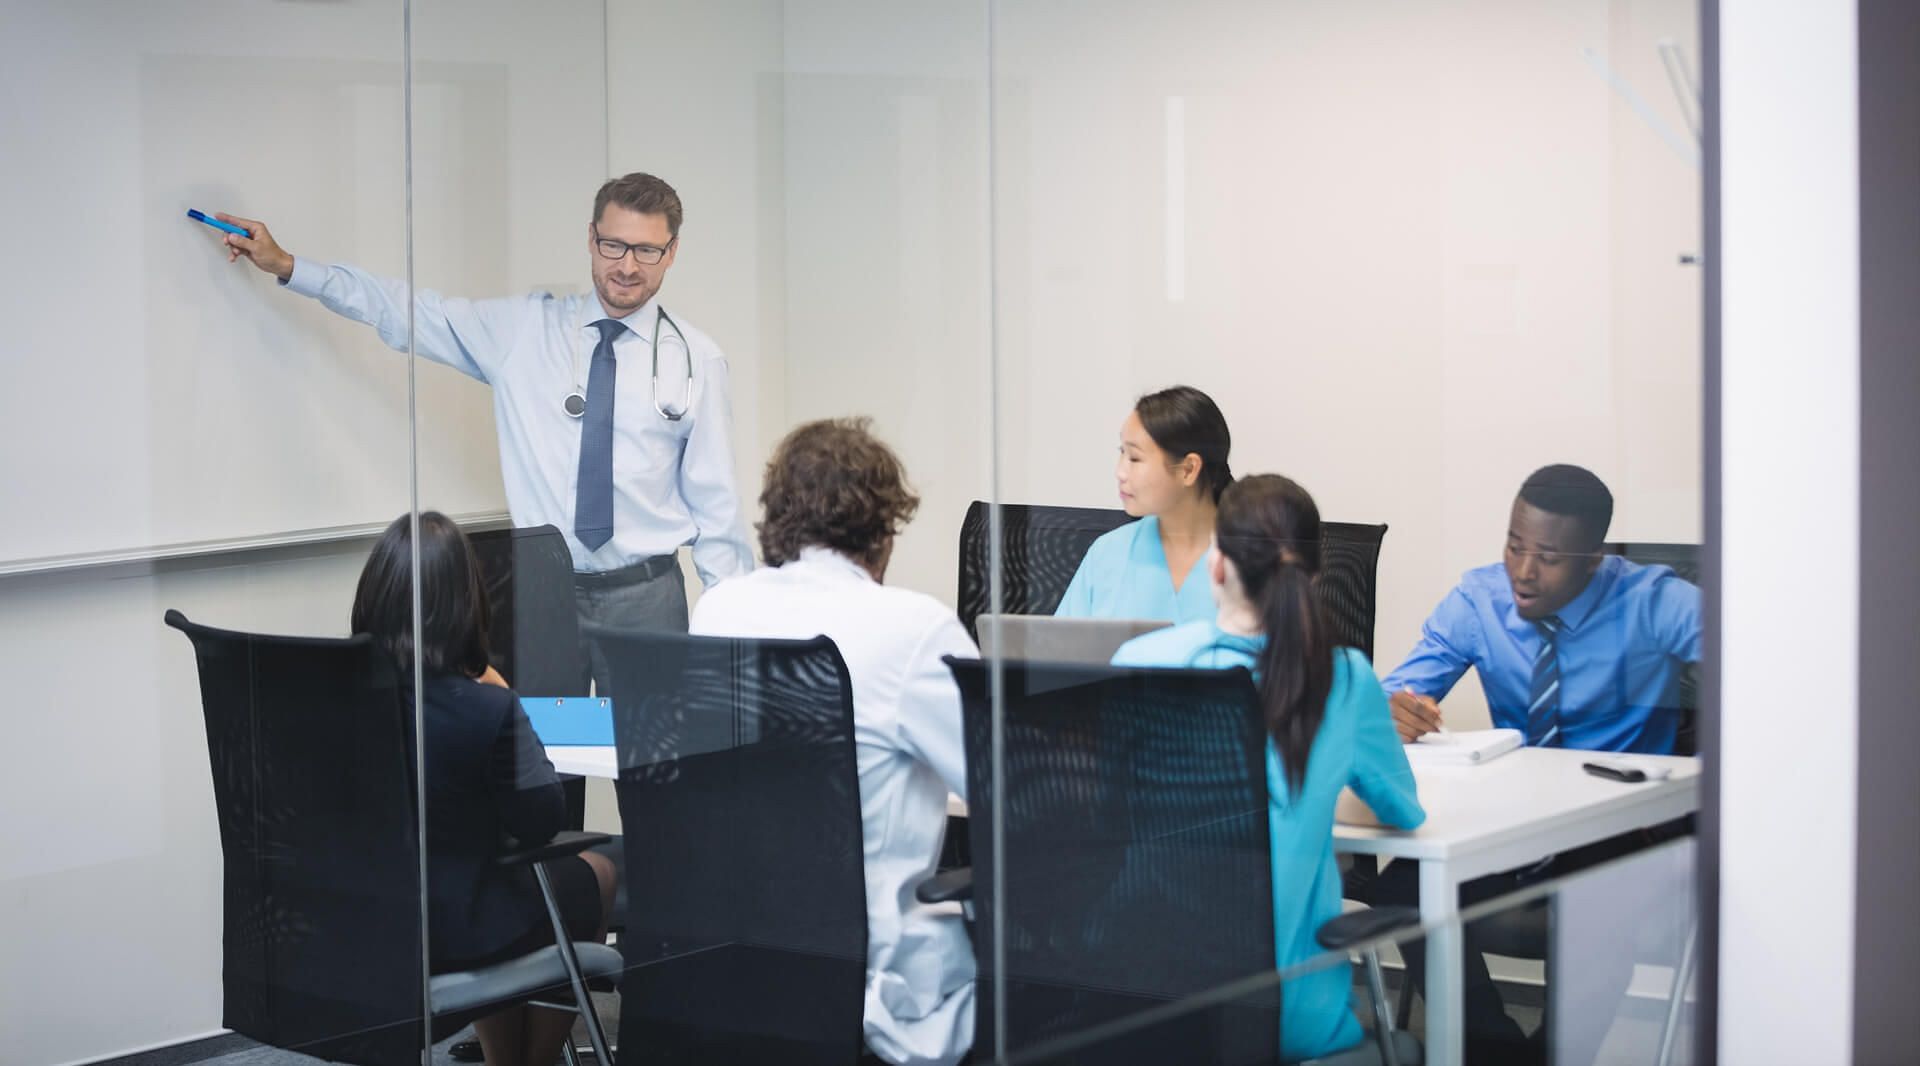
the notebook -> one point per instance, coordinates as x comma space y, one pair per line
570, 721
1469, 748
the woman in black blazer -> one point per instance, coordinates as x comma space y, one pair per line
488, 782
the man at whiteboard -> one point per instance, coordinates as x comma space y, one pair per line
613, 413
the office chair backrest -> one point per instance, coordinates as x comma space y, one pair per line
1348, 585
739, 793
1684, 560
1137, 865
1043, 547
535, 635
308, 741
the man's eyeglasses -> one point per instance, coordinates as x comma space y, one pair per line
647, 254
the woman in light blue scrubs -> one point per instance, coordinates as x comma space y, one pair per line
1328, 728
1172, 469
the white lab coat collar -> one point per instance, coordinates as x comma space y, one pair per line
827, 560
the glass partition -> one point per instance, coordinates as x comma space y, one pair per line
1629, 997
214, 825
1364, 333
735, 326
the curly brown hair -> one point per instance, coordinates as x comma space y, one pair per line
833, 484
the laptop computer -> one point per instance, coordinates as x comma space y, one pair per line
1046, 638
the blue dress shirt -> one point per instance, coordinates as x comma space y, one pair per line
1356, 747
1624, 647
672, 481
1125, 575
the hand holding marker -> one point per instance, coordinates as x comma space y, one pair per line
249, 238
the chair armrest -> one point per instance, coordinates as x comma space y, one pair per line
948, 886
1358, 927
561, 846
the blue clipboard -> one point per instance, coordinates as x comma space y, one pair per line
571, 721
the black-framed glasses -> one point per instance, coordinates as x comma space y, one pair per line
647, 254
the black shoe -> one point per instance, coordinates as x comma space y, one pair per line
466, 1051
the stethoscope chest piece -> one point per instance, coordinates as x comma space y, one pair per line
576, 402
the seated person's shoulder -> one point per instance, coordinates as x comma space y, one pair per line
915, 611
1118, 539
477, 706
1481, 579
1172, 646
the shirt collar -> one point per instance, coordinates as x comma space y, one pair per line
639, 323
827, 559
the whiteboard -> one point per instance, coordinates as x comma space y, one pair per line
153, 394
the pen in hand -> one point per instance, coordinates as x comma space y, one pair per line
1438, 726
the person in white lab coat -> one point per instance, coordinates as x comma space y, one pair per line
835, 498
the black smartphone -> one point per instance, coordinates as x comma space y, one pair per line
1626, 774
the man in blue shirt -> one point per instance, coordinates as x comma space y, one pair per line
1576, 649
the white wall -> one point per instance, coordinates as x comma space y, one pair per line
1790, 396
831, 159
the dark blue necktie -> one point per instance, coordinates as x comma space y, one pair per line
1543, 696
593, 494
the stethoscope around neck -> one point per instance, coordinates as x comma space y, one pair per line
576, 402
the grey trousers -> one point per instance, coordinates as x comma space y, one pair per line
658, 602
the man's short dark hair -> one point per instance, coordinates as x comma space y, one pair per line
1576, 492
643, 194
833, 484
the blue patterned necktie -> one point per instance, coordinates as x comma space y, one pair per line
593, 493
1543, 696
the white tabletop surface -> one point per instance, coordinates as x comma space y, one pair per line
1529, 792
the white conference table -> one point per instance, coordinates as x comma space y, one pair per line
1514, 811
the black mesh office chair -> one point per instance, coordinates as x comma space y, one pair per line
1138, 869
310, 744
1043, 547
740, 804
535, 635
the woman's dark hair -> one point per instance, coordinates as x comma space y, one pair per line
1184, 421
453, 600
833, 484
1270, 528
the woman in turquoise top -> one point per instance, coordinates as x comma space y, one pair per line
1172, 469
1327, 723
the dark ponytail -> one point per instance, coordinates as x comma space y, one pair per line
1184, 421
1270, 528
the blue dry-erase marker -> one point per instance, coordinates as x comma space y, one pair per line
216, 223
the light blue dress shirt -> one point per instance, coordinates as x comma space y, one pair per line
1356, 747
1624, 647
672, 481
1125, 575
